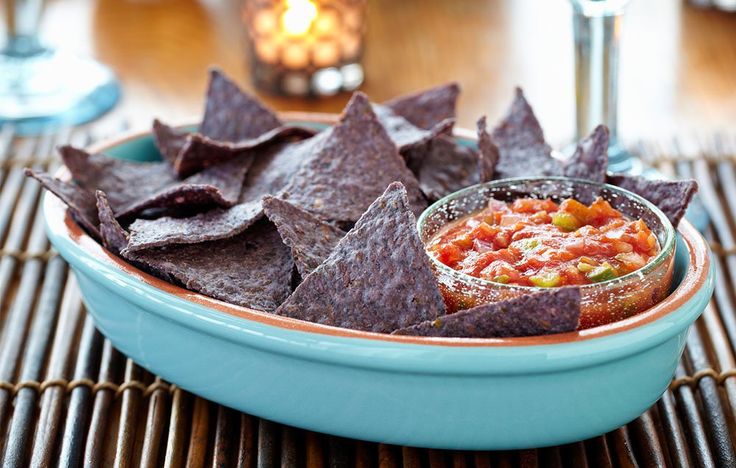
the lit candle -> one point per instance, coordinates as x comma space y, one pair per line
297, 18
305, 46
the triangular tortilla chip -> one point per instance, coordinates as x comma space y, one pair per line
271, 170
80, 202
253, 269
542, 313
428, 107
520, 140
403, 133
232, 115
446, 167
348, 165
124, 182
200, 152
169, 140
208, 226
114, 237
234, 123
311, 240
672, 197
590, 159
487, 153
132, 187
377, 279
217, 185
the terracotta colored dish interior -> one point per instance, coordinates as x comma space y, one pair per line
694, 279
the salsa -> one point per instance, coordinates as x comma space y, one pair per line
533, 242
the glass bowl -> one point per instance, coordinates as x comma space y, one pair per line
602, 303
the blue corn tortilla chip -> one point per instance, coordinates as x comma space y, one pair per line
114, 237
234, 122
200, 152
378, 278
520, 140
428, 107
253, 269
590, 159
218, 185
272, 168
444, 167
348, 164
80, 202
403, 133
488, 154
208, 226
311, 240
672, 197
232, 115
124, 182
133, 187
169, 140
542, 313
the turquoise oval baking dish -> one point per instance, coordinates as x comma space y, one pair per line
427, 392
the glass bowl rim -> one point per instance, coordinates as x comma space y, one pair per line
666, 251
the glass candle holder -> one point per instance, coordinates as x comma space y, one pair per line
305, 47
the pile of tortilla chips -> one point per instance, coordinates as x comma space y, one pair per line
320, 225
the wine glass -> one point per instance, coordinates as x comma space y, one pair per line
41, 86
597, 26
597, 31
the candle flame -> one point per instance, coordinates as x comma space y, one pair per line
298, 17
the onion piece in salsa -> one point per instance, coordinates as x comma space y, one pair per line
537, 242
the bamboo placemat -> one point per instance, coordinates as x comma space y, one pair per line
68, 398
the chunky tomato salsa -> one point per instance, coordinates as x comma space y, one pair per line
533, 242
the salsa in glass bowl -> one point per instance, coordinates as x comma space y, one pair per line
506, 238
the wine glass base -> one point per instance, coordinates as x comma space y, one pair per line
53, 88
621, 160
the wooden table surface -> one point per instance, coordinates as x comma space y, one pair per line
678, 70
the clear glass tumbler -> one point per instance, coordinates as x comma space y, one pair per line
42, 87
597, 32
597, 26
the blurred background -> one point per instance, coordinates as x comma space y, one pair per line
677, 68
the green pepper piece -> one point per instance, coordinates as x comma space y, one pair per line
546, 280
604, 272
503, 279
565, 221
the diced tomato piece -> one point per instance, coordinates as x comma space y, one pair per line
474, 264
500, 268
532, 205
577, 209
449, 254
631, 260
484, 231
502, 239
482, 246
511, 220
541, 217
600, 208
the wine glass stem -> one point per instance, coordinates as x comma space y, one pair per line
21, 23
597, 38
